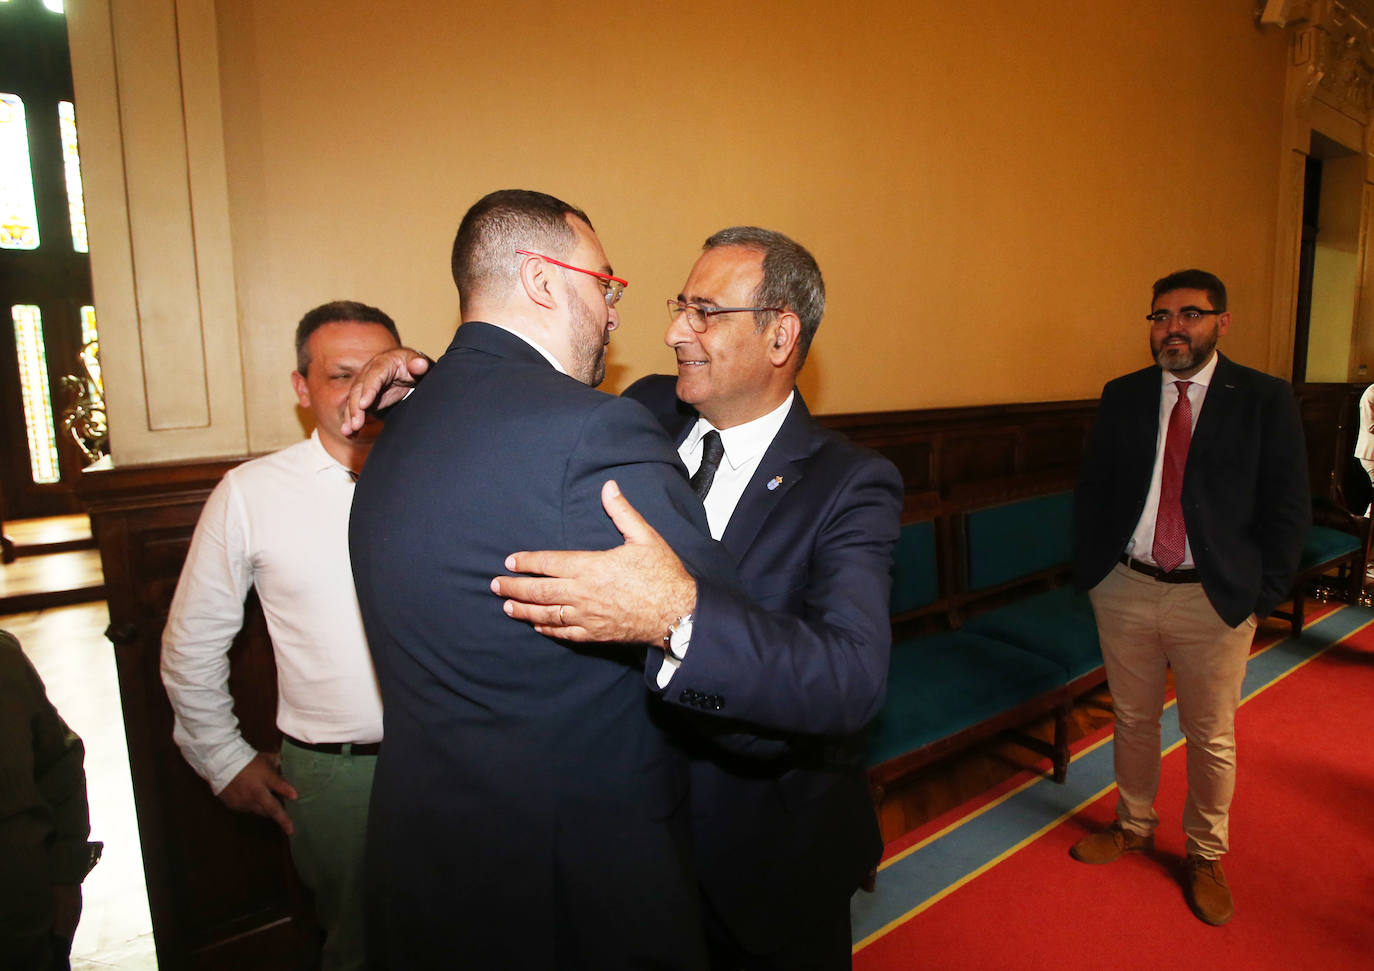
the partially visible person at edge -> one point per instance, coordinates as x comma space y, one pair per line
1364, 437
44, 821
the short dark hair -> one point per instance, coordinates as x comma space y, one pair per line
502, 222
1193, 280
791, 278
335, 312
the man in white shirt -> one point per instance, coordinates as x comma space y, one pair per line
280, 524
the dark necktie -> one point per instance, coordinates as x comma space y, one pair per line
1170, 533
711, 452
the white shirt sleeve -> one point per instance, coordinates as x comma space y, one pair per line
206, 613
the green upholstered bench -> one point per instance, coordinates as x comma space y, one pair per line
1013, 541
947, 689
1057, 625
1326, 549
1019, 541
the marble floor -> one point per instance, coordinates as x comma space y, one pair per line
68, 647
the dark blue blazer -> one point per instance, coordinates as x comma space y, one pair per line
528, 811
1245, 492
788, 675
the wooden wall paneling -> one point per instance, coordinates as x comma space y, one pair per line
221, 888
1329, 412
943, 449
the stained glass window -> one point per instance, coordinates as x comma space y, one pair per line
90, 347
18, 212
33, 384
71, 162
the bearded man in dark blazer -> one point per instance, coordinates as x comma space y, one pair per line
775, 688
528, 812
1190, 516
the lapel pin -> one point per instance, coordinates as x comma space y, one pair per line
774, 482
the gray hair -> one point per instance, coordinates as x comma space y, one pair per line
791, 279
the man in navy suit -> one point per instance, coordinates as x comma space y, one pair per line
1190, 516
528, 811
777, 687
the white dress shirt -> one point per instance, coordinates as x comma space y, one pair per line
280, 524
744, 447
1142, 542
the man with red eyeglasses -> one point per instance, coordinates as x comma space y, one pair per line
527, 812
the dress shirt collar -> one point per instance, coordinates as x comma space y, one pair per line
322, 461
1202, 379
743, 443
544, 351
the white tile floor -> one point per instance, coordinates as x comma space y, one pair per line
68, 647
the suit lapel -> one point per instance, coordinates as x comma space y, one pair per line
1216, 408
783, 464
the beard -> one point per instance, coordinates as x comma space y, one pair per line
589, 340
1182, 358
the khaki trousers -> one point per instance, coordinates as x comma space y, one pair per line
1146, 627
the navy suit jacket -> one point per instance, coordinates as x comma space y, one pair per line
1245, 493
788, 675
528, 811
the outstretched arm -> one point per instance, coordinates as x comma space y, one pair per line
812, 660
630, 594
383, 381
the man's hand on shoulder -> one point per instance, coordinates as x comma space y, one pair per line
629, 594
383, 381
259, 788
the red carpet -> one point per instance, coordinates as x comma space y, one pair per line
1301, 866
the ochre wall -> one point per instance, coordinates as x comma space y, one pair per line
990, 187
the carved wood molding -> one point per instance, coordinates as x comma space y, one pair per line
1333, 42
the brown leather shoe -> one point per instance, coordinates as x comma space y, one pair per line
1108, 845
1207, 892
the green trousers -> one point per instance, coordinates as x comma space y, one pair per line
330, 818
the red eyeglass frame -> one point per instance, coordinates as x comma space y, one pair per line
615, 292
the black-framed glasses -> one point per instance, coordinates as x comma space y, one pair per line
1188, 315
615, 287
699, 316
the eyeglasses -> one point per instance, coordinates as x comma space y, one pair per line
615, 287
699, 317
1188, 315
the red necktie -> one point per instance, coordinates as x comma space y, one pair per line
1170, 533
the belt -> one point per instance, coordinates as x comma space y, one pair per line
336, 748
1172, 576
